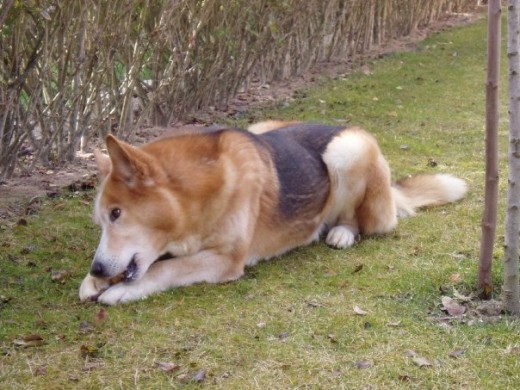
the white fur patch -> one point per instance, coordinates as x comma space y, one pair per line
345, 154
345, 150
454, 188
341, 236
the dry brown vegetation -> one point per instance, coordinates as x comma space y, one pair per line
72, 69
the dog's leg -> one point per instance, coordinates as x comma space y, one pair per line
360, 178
345, 227
91, 287
205, 266
347, 158
342, 236
377, 213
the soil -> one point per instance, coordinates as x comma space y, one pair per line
27, 188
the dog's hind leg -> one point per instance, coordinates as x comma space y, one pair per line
362, 200
377, 213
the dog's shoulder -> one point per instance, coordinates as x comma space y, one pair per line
197, 140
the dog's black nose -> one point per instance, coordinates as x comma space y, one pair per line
97, 269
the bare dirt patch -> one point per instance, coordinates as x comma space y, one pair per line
17, 193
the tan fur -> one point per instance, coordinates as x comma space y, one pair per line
212, 201
426, 190
264, 127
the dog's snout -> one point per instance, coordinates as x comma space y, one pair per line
97, 269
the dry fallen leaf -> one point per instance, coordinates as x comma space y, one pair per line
410, 353
313, 303
85, 327
363, 364
359, 311
91, 366
366, 70
33, 340
21, 222
283, 336
421, 361
330, 272
59, 276
87, 350
40, 371
199, 376
455, 278
101, 316
457, 353
452, 307
458, 256
490, 308
167, 366
462, 298
33, 337
512, 350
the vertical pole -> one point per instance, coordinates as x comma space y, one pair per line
484, 283
511, 288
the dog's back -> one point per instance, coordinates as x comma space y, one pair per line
296, 151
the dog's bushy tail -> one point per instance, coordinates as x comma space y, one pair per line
419, 191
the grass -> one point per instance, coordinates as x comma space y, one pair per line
291, 323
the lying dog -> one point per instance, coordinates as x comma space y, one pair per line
216, 201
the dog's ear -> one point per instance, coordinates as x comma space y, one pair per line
120, 158
103, 163
129, 163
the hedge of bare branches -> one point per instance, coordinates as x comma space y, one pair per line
73, 68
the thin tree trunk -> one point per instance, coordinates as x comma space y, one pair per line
484, 283
511, 287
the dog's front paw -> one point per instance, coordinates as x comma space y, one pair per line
121, 293
91, 287
341, 236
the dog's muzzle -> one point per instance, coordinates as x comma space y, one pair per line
97, 269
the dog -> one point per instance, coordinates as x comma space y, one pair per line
202, 205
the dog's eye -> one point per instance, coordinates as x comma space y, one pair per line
115, 214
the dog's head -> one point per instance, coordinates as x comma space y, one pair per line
138, 216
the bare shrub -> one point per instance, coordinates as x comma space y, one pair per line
73, 69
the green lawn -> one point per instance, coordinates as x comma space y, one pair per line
366, 317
